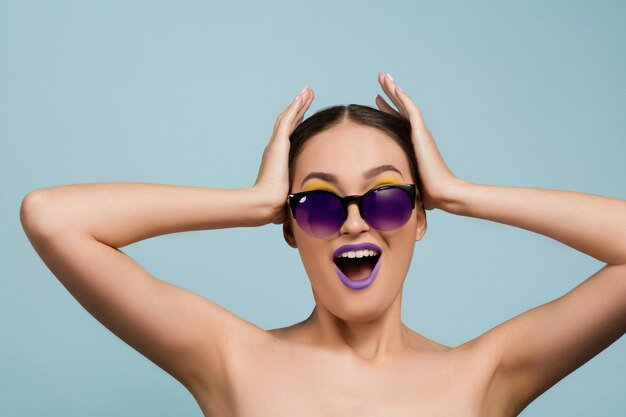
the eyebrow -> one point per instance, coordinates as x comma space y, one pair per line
370, 173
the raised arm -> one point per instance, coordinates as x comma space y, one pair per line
78, 230
541, 346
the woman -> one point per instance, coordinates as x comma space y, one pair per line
353, 355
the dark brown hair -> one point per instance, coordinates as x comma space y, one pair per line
324, 119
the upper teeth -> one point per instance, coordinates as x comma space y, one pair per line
358, 253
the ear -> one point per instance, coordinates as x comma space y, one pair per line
421, 225
288, 233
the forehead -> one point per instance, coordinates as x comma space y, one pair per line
348, 150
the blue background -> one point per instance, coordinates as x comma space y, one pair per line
516, 93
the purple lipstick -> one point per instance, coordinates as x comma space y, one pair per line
357, 284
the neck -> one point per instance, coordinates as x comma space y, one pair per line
371, 340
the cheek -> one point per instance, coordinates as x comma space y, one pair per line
313, 253
402, 245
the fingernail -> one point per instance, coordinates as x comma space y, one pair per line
399, 89
300, 93
390, 77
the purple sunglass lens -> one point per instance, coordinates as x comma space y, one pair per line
320, 214
387, 208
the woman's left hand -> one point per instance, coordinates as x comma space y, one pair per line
439, 184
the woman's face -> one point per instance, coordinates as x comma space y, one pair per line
346, 152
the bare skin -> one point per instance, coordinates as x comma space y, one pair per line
353, 355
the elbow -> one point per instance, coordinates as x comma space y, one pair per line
38, 215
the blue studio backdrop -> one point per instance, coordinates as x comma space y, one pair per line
187, 92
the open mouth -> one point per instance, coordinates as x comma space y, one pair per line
357, 265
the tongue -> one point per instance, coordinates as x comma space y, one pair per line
355, 268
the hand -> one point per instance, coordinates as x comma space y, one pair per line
438, 182
272, 183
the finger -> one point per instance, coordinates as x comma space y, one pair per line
384, 83
285, 119
414, 112
308, 99
384, 106
295, 105
310, 96
389, 88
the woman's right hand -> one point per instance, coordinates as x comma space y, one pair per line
272, 183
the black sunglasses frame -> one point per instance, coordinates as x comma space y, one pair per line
410, 189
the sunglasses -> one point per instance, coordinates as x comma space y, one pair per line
321, 213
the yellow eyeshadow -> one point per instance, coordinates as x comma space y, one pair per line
324, 186
319, 186
387, 180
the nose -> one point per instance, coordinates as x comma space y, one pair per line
354, 223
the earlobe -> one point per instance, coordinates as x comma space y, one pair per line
288, 234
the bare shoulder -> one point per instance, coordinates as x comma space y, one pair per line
220, 362
474, 367
539, 347
242, 342
481, 358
